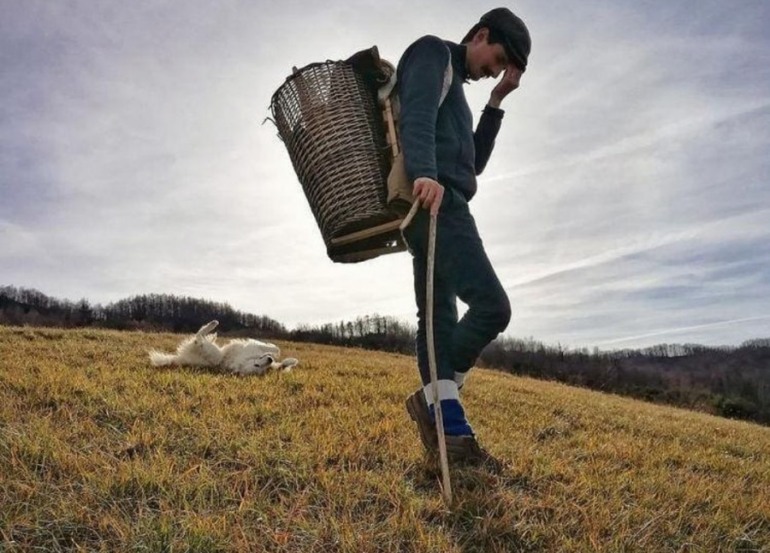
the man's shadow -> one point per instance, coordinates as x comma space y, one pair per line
486, 508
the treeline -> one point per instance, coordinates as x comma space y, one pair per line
726, 380
155, 312
732, 381
369, 332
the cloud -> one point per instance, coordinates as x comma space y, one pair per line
625, 196
676, 333
18, 242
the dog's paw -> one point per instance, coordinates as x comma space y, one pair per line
289, 363
205, 329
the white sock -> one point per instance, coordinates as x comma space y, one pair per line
460, 379
447, 389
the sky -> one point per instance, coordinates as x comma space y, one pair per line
626, 203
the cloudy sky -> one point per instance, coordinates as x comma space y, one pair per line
626, 204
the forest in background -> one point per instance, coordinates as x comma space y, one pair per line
731, 381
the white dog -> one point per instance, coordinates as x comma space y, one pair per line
244, 356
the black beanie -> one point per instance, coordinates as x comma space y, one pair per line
514, 33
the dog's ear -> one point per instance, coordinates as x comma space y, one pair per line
260, 365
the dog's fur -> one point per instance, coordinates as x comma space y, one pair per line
243, 356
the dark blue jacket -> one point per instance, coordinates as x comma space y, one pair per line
439, 142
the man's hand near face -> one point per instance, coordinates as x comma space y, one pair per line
509, 83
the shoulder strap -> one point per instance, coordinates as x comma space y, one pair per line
386, 89
448, 76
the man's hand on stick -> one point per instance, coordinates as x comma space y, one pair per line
429, 193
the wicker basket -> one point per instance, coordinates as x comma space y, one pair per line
331, 123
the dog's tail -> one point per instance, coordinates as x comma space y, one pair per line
160, 359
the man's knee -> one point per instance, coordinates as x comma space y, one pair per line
501, 316
491, 313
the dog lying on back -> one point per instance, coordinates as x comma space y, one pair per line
242, 356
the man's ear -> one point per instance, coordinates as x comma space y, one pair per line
481, 36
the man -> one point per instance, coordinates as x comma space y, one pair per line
443, 155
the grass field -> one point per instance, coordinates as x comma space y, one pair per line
99, 451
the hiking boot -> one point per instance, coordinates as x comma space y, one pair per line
418, 410
466, 450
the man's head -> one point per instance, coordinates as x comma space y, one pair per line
498, 41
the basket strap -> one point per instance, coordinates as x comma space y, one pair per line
385, 90
448, 76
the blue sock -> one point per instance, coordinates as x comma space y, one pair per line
455, 423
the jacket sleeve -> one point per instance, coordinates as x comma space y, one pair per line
420, 79
484, 137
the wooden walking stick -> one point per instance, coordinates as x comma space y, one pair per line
446, 488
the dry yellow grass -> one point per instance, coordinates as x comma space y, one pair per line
99, 451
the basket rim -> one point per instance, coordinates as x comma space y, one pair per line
297, 73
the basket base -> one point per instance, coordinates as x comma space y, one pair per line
367, 244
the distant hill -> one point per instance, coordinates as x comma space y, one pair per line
20, 306
100, 451
732, 381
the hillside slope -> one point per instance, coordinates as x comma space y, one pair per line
100, 451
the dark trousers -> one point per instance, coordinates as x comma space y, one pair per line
462, 270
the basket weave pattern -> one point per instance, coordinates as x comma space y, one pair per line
328, 119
